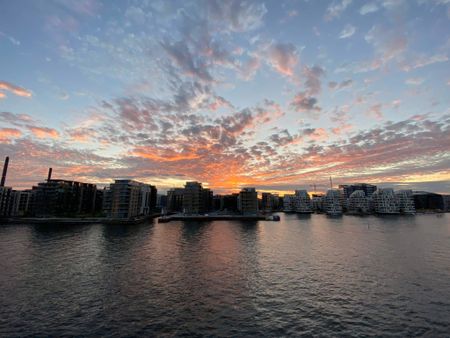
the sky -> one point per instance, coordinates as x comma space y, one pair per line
277, 95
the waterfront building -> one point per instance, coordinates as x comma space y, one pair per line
129, 198
269, 201
175, 200
216, 202
207, 199
289, 203
302, 202
21, 202
358, 203
446, 199
148, 197
385, 201
5, 192
332, 203
161, 201
424, 201
348, 189
248, 201
5, 200
405, 201
317, 202
229, 202
57, 197
193, 198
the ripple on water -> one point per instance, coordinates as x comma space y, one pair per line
301, 276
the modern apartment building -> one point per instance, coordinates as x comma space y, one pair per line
289, 203
348, 189
129, 198
175, 200
302, 202
332, 202
57, 197
405, 201
248, 201
358, 203
21, 202
193, 198
385, 201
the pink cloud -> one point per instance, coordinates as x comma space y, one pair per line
283, 57
42, 132
14, 89
9, 133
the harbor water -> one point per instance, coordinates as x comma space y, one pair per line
305, 275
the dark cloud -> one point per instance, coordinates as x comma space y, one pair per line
304, 103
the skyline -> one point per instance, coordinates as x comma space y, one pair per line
275, 95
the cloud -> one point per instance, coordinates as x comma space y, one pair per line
336, 8
6, 134
341, 85
423, 61
316, 134
284, 138
341, 120
15, 89
347, 32
283, 57
82, 135
186, 61
43, 132
11, 39
368, 8
239, 15
313, 82
17, 120
375, 111
388, 44
304, 103
415, 81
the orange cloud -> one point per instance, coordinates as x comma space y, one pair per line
42, 132
8, 133
14, 89
81, 135
163, 155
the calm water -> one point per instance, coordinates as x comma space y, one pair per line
301, 276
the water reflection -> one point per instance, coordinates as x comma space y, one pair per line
305, 274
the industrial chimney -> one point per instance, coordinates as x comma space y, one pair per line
5, 170
49, 177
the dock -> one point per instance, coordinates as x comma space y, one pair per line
205, 218
78, 220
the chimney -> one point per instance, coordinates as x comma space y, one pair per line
5, 170
49, 177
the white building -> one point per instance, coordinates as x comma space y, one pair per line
358, 203
333, 202
20, 202
405, 201
302, 202
317, 203
289, 203
385, 201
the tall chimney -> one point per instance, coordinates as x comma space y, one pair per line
5, 170
49, 177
